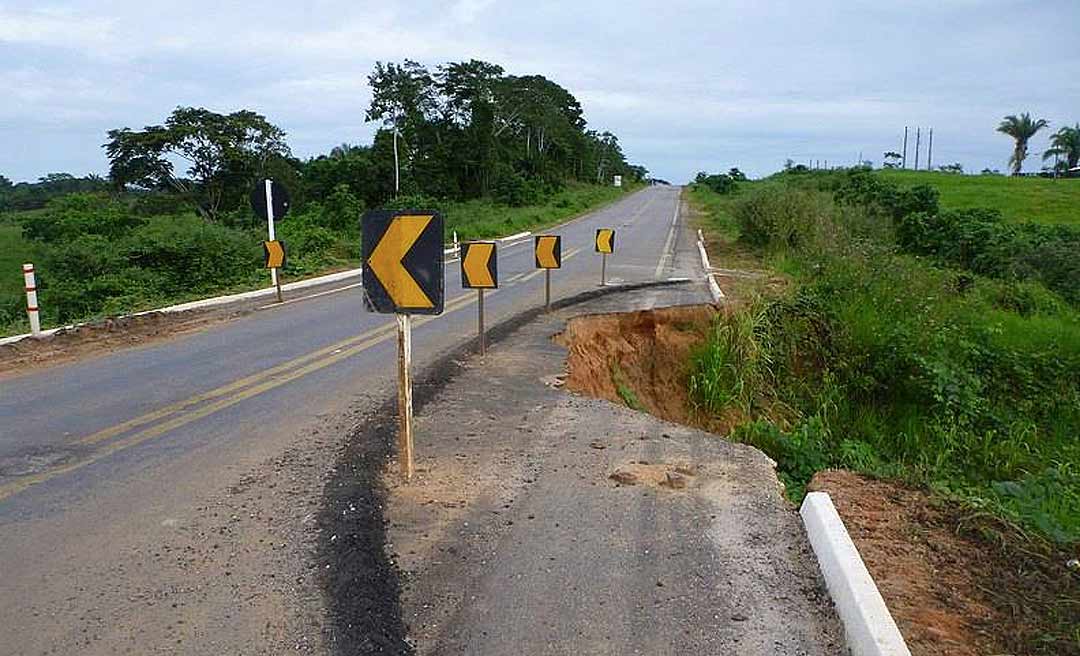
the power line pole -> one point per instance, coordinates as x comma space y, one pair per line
904, 160
930, 151
918, 139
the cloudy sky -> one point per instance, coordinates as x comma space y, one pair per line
686, 85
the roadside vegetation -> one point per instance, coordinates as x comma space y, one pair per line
940, 346
495, 153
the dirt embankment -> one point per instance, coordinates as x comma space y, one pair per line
639, 359
953, 589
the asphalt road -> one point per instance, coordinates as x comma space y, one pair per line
112, 465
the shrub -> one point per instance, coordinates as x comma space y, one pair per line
71, 216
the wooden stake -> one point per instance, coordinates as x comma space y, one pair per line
277, 283
405, 438
480, 322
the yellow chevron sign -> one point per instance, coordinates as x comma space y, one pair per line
479, 266
386, 262
274, 254
548, 251
605, 240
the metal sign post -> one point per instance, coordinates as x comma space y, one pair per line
271, 201
605, 243
548, 254
480, 321
268, 185
547, 290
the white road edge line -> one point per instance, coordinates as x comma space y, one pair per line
868, 625
670, 238
311, 296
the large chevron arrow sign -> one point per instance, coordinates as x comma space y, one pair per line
403, 261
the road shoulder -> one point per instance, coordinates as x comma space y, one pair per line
515, 538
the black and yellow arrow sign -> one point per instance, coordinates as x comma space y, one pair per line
605, 240
548, 251
274, 254
403, 261
479, 266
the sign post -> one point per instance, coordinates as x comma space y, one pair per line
605, 244
270, 200
405, 437
479, 271
403, 275
548, 252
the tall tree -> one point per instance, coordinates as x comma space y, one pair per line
224, 152
1021, 128
1065, 143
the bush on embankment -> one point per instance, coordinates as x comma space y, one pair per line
879, 361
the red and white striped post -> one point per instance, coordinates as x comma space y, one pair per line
31, 299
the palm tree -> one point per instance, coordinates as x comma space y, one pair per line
1065, 143
1021, 129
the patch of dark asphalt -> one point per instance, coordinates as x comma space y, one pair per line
362, 584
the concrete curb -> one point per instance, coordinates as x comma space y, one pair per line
714, 288
868, 625
208, 302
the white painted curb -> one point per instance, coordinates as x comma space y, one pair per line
868, 625
714, 288
210, 302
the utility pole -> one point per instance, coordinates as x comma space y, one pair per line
397, 174
903, 161
930, 152
918, 138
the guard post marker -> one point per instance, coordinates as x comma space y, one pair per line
268, 185
31, 300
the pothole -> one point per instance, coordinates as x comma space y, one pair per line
672, 476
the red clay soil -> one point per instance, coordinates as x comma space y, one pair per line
646, 352
953, 589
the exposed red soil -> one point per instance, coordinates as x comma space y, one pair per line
646, 352
953, 588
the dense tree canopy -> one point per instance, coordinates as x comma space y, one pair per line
224, 153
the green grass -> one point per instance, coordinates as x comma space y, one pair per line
481, 219
1038, 200
886, 364
718, 217
14, 252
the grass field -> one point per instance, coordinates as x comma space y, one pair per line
1041, 200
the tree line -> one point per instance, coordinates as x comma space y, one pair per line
1064, 144
463, 130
